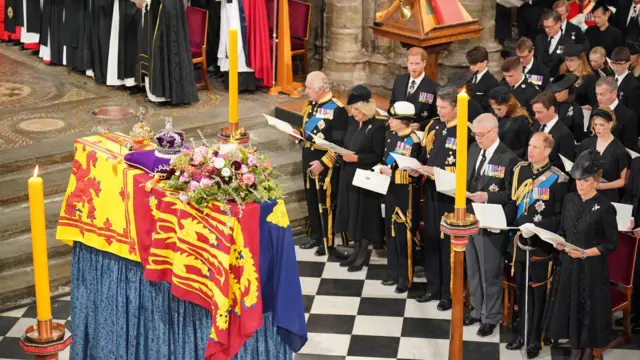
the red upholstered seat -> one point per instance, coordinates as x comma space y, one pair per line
299, 13
618, 297
197, 24
297, 44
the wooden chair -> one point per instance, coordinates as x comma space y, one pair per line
299, 23
622, 264
198, 23
509, 296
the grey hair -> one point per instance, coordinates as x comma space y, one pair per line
448, 94
319, 80
487, 120
609, 81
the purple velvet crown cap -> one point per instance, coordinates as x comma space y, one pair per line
148, 161
169, 141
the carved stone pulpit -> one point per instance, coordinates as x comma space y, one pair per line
430, 24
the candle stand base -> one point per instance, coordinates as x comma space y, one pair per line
459, 226
45, 340
233, 134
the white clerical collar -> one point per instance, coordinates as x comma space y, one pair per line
480, 74
613, 105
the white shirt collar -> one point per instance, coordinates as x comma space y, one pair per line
529, 66
480, 74
488, 153
613, 105
550, 124
563, 27
621, 77
418, 79
520, 82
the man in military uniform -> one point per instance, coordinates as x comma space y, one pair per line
439, 141
538, 190
402, 197
536, 72
325, 117
520, 87
569, 112
416, 87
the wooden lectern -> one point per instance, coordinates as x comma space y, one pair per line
429, 24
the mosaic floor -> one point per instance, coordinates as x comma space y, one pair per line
352, 316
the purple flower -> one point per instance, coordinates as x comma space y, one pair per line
194, 185
184, 178
253, 160
183, 197
236, 165
197, 177
244, 169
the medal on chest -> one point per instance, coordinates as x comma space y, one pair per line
494, 171
595, 207
570, 112
537, 218
541, 193
493, 188
539, 206
451, 142
402, 149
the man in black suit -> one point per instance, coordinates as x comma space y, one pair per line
529, 16
625, 18
550, 46
489, 175
417, 88
628, 86
626, 127
544, 107
536, 72
569, 29
482, 82
521, 88
459, 80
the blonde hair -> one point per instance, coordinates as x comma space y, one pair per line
368, 108
610, 112
584, 69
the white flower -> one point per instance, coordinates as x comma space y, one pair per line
226, 172
321, 124
218, 163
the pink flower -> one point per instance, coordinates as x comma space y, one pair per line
206, 182
201, 150
184, 178
194, 185
244, 169
253, 160
183, 197
267, 164
198, 158
248, 179
197, 176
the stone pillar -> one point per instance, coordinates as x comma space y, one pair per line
344, 62
454, 59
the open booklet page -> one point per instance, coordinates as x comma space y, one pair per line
330, 146
548, 236
283, 126
491, 216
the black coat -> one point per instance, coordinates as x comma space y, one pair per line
579, 307
619, 20
626, 127
629, 93
359, 213
423, 98
632, 190
480, 90
563, 143
609, 39
584, 92
572, 116
554, 59
538, 74
514, 132
575, 34
524, 93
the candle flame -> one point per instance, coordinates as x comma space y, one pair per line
463, 90
35, 171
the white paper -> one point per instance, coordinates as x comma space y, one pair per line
330, 146
624, 216
445, 181
585, 120
567, 163
548, 236
406, 162
371, 181
283, 126
490, 216
510, 3
382, 112
633, 154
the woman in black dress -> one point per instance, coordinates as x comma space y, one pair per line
603, 34
583, 90
359, 213
514, 124
579, 306
616, 159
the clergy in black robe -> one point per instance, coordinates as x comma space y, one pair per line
603, 34
514, 123
52, 30
359, 213
545, 105
536, 72
12, 17
616, 159
77, 34
166, 60
537, 192
482, 81
416, 87
130, 18
579, 305
569, 112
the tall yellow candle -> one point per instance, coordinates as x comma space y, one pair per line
39, 246
233, 76
461, 150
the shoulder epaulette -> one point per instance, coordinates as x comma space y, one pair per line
562, 177
522, 163
415, 137
338, 102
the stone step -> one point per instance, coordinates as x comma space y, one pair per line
14, 185
14, 219
18, 286
17, 251
297, 212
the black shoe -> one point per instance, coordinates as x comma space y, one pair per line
352, 257
134, 90
469, 320
444, 305
389, 282
515, 345
362, 257
309, 244
426, 297
486, 329
401, 290
320, 251
533, 351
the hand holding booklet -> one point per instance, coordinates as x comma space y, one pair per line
406, 162
624, 216
283, 126
548, 236
330, 146
372, 181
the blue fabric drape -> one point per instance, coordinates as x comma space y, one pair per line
116, 314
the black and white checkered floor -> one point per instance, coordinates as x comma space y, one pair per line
351, 316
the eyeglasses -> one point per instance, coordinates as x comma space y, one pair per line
478, 135
619, 63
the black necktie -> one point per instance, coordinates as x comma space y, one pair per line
544, 126
483, 159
